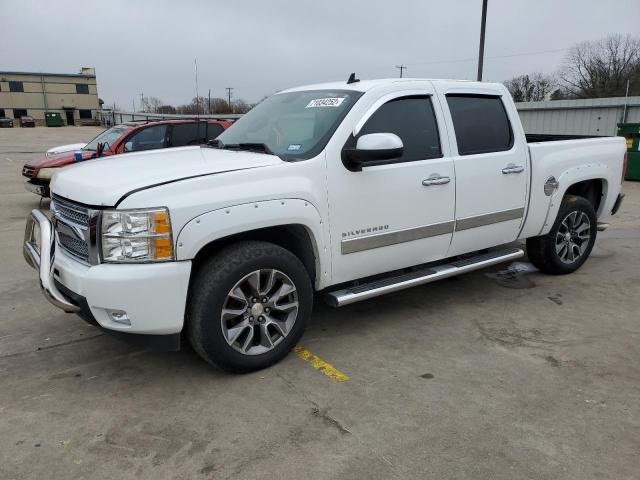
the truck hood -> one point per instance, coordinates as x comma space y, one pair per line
105, 181
57, 159
65, 148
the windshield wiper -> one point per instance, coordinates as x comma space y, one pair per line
249, 146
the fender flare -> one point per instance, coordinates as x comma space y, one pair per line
224, 222
571, 176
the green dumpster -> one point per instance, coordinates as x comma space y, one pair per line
631, 132
53, 119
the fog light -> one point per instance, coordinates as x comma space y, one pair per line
119, 316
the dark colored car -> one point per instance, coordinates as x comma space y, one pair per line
6, 122
123, 138
27, 121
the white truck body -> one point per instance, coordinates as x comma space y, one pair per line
359, 224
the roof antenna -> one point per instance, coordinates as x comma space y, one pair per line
352, 79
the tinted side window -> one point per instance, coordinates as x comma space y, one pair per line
147, 139
82, 88
413, 120
213, 130
481, 124
186, 134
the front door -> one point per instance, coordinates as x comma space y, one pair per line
393, 215
69, 114
492, 172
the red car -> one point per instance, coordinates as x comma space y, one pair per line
127, 137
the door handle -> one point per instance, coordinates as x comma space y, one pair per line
435, 179
512, 168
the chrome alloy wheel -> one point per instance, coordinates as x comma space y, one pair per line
573, 236
259, 311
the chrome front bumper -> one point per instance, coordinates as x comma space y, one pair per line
38, 249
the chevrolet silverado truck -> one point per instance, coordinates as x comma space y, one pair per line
345, 190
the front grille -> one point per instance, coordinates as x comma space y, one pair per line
28, 171
70, 212
77, 248
75, 227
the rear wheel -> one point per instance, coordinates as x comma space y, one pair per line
569, 242
249, 306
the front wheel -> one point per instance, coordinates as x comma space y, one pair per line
249, 306
569, 242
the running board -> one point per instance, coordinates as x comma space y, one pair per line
345, 296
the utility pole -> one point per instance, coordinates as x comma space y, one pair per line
209, 103
626, 96
229, 89
482, 31
141, 100
401, 68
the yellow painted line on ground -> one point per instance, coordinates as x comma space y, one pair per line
319, 364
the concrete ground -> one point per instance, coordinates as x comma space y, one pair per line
492, 375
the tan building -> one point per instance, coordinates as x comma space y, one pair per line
73, 95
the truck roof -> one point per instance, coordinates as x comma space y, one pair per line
364, 85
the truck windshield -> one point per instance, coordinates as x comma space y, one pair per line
108, 137
294, 125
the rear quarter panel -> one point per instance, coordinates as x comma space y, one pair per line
570, 162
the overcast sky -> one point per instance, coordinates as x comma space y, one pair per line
258, 47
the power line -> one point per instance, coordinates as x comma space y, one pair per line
474, 59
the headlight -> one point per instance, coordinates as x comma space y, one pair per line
136, 236
46, 173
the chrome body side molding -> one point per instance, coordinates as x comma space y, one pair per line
489, 219
352, 245
368, 242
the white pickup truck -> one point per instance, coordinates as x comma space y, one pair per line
348, 189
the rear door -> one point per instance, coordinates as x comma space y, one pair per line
183, 134
492, 172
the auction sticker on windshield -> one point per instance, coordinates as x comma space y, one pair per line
325, 102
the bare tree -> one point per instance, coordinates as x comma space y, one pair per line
150, 104
534, 87
198, 106
240, 106
166, 109
601, 68
219, 105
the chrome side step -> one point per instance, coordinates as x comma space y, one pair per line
345, 296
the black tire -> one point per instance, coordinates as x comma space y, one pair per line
209, 291
542, 250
